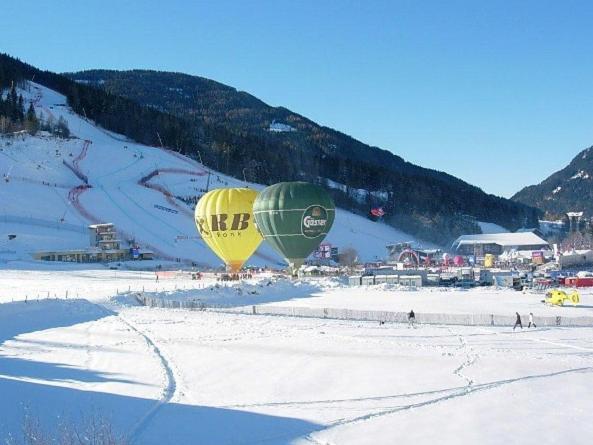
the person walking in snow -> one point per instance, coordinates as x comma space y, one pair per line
531, 322
411, 318
518, 321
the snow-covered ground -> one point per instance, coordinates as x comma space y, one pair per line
442, 300
99, 285
173, 376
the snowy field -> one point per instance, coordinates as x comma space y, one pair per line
182, 377
485, 300
100, 284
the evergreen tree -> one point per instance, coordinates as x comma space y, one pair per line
5, 124
31, 121
12, 104
62, 129
31, 112
20, 108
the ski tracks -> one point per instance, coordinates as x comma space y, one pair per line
446, 395
456, 394
470, 359
169, 390
170, 379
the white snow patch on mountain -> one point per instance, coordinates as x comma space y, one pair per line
361, 195
488, 227
279, 127
580, 175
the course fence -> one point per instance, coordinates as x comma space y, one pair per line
80, 175
369, 315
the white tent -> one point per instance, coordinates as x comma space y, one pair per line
506, 241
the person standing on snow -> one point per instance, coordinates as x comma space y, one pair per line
411, 318
531, 322
518, 321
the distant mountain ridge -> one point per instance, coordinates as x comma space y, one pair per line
567, 190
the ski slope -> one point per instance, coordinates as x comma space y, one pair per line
132, 185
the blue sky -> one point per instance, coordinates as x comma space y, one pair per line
498, 93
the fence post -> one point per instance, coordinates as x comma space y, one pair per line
558, 320
491, 319
253, 310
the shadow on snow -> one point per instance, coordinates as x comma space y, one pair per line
174, 422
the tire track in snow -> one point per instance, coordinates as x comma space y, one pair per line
565, 345
332, 401
464, 392
169, 388
446, 394
168, 391
541, 340
461, 392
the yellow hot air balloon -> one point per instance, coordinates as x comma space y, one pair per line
224, 218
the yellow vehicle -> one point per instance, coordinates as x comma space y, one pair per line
557, 297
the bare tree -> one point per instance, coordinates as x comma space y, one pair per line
92, 430
348, 257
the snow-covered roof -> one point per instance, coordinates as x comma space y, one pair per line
319, 268
502, 239
577, 252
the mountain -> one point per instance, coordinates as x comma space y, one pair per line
269, 144
237, 134
54, 185
567, 190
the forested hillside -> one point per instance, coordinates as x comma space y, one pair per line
238, 134
567, 190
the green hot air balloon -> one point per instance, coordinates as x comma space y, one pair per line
294, 217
